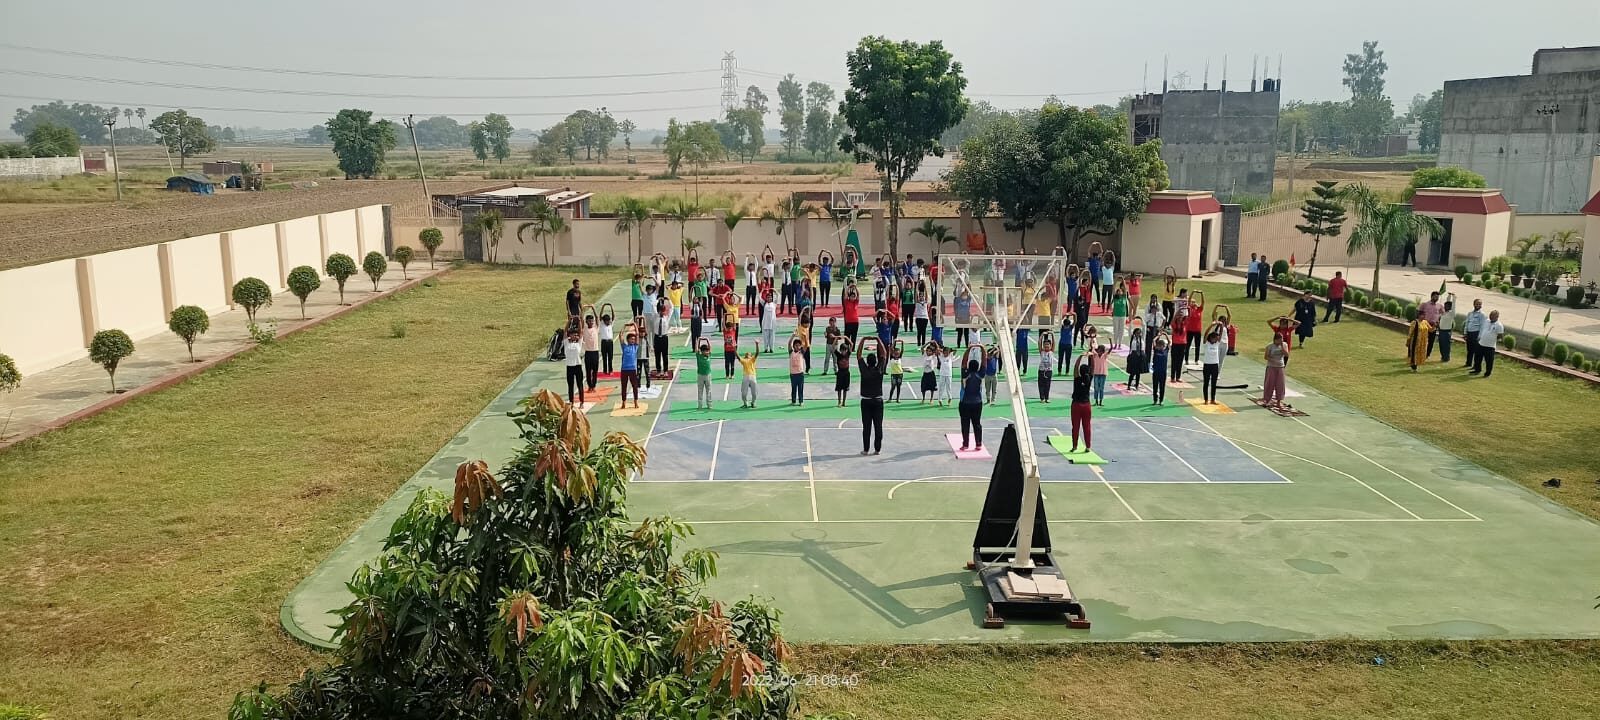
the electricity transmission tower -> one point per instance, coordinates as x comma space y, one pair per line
730, 83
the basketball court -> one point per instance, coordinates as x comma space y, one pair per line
1202, 524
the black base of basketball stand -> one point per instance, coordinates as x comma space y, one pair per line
1040, 592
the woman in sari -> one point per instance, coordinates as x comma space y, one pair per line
1417, 342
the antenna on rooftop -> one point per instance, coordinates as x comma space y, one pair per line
1164, 74
1205, 83
1253, 60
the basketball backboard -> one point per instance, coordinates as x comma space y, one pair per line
976, 290
848, 196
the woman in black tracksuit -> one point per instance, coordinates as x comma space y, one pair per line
871, 366
971, 405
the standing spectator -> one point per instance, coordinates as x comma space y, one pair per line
1336, 288
574, 302
1272, 388
1447, 325
1430, 311
1419, 335
1305, 317
1252, 275
1475, 320
1488, 341
1266, 276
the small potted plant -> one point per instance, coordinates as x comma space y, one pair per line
1516, 272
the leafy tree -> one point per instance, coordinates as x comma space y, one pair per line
404, 255
491, 225
141, 113
979, 115
47, 140
480, 141
748, 135
431, 239
1451, 177
682, 211
1429, 114
134, 136
183, 134
820, 134
188, 322
497, 130
441, 132
341, 267
632, 214
554, 143
972, 180
755, 99
1094, 179
791, 114
1009, 154
303, 281
627, 128
374, 265
936, 234
902, 97
10, 377
360, 143
1363, 72
1324, 215
592, 130
534, 595
1381, 225
83, 119
316, 135
251, 294
1368, 119
107, 349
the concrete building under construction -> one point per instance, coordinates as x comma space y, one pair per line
1217, 140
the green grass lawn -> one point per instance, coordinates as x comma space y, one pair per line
144, 553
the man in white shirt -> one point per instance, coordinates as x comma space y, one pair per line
1252, 276
1475, 321
1488, 340
574, 357
658, 337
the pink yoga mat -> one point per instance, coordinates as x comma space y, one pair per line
955, 446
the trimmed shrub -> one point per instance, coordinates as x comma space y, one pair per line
1517, 268
1538, 346
374, 265
1410, 311
431, 239
108, 348
251, 294
1559, 353
1280, 268
1589, 366
189, 322
1461, 272
1393, 308
340, 267
10, 377
303, 281
1577, 360
1574, 296
1509, 342
1504, 287
403, 255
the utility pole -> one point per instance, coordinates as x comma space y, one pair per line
1293, 131
116, 168
416, 152
1549, 110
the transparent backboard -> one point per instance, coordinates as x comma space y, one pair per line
1028, 291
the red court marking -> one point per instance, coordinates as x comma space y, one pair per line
955, 446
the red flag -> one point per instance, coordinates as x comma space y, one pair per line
1291, 259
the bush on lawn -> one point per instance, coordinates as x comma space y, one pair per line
10, 377
1575, 296
1504, 288
1517, 268
1393, 307
107, 349
1410, 311
374, 266
1577, 360
1461, 272
431, 239
1509, 342
340, 267
303, 281
251, 294
1538, 346
403, 255
1558, 354
1280, 268
1483, 277
189, 322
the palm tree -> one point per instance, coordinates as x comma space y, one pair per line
140, 112
681, 211
936, 234
491, 225
1382, 225
541, 216
632, 214
1567, 240
555, 226
791, 208
127, 116
732, 221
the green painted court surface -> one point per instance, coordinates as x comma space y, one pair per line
1200, 526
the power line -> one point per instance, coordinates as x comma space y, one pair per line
335, 73
281, 111
325, 93
837, 84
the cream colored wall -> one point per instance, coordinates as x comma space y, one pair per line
1496, 238
1158, 241
1274, 235
1525, 224
197, 273
302, 244
370, 221
127, 291
407, 228
341, 229
254, 253
1590, 272
1467, 236
750, 237
50, 330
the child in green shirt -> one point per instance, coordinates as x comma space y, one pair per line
702, 369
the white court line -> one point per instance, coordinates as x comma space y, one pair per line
933, 478
1174, 521
1240, 449
686, 427
661, 403
1163, 445
725, 390
715, 446
1386, 469
1309, 461
812, 473
1097, 473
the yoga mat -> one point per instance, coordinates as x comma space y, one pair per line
1200, 405
1063, 443
955, 447
618, 411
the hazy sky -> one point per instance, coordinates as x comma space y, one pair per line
1013, 53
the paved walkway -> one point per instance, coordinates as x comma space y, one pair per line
1574, 327
48, 397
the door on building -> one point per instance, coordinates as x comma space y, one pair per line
1439, 247
1205, 245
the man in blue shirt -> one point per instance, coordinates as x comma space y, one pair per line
1252, 276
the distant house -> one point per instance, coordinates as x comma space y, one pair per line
192, 182
511, 200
